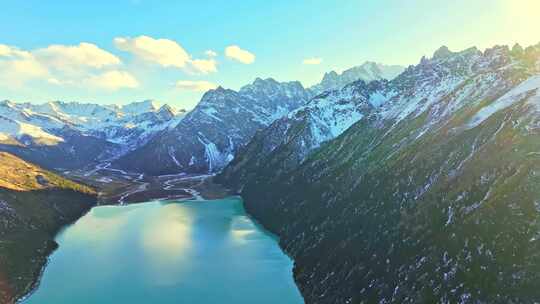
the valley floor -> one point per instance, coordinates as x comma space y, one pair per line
121, 187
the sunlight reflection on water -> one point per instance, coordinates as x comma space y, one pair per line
167, 252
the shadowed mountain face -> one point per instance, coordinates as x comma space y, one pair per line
208, 137
431, 196
34, 205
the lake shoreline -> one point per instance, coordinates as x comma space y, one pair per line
50, 247
193, 204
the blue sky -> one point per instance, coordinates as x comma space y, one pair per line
279, 34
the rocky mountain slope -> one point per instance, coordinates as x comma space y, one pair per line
34, 204
290, 139
368, 71
208, 137
430, 197
71, 135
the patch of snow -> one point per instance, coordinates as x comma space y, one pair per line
377, 99
211, 111
450, 216
514, 95
171, 154
18, 129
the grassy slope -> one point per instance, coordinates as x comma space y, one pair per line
381, 218
452, 215
34, 205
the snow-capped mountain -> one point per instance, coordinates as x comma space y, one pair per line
332, 112
290, 139
367, 71
62, 127
432, 196
208, 137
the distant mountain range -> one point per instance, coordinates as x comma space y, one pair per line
430, 196
225, 120
152, 139
71, 135
208, 137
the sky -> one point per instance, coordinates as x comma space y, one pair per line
172, 51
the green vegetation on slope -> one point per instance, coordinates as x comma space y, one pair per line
425, 208
34, 205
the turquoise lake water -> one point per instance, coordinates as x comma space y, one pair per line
167, 252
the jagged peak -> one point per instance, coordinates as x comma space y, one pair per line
263, 82
442, 52
330, 74
497, 50
216, 93
218, 89
471, 50
260, 83
148, 104
170, 110
267, 80
166, 107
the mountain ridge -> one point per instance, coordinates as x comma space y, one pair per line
38, 131
207, 138
420, 200
368, 71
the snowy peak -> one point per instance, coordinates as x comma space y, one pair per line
141, 107
129, 125
216, 95
270, 88
261, 93
166, 111
223, 121
442, 52
368, 71
25, 132
437, 87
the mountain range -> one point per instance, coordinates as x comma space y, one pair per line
207, 138
225, 120
73, 135
384, 184
431, 195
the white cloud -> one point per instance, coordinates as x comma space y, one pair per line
166, 53
61, 65
312, 61
236, 53
114, 80
18, 66
5, 50
198, 86
204, 65
53, 80
210, 53
74, 57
